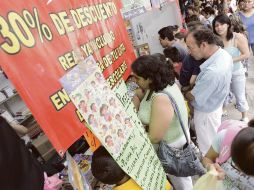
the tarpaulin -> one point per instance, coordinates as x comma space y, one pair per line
42, 40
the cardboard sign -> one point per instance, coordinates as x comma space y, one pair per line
42, 40
112, 119
92, 140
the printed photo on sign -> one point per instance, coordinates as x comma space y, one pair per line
110, 116
98, 104
77, 76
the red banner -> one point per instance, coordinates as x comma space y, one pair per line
42, 40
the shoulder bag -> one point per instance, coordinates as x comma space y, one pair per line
180, 162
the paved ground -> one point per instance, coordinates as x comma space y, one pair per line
233, 113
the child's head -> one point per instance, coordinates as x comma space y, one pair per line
173, 54
93, 83
192, 10
98, 75
208, 11
103, 109
242, 149
105, 168
241, 5
131, 78
93, 107
111, 101
195, 25
109, 140
180, 36
174, 28
192, 18
118, 117
90, 118
120, 133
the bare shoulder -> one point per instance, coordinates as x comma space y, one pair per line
239, 37
161, 99
161, 103
240, 40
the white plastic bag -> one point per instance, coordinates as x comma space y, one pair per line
209, 181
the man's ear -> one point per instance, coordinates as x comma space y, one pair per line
203, 45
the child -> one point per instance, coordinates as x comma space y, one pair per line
232, 154
180, 37
209, 14
105, 169
174, 28
135, 93
173, 54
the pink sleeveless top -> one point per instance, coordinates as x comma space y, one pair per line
233, 127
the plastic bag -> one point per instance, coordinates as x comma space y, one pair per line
209, 181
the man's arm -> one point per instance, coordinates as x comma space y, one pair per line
193, 80
20, 129
204, 88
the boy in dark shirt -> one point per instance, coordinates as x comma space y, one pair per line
189, 72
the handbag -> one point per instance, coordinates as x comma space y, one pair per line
180, 162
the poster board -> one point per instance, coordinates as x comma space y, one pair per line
41, 40
112, 120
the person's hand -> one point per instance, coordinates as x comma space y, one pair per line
185, 89
20, 129
221, 173
188, 96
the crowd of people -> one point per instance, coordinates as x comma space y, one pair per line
202, 68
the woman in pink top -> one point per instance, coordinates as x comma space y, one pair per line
232, 154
